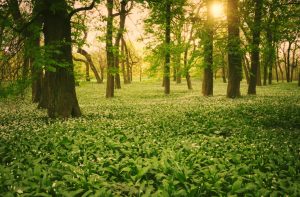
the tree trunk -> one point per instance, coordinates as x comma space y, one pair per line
118, 39
109, 51
87, 68
271, 54
36, 74
91, 63
288, 63
224, 74
186, 70
246, 65
123, 56
234, 54
177, 58
167, 43
127, 65
265, 63
258, 78
207, 84
43, 102
294, 62
62, 100
255, 62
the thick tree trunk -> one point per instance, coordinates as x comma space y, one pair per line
109, 51
255, 62
91, 64
167, 43
207, 83
234, 55
62, 100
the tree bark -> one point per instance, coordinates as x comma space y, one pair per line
62, 100
109, 51
234, 55
255, 62
167, 45
207, 83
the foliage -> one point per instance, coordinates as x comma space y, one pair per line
144, 144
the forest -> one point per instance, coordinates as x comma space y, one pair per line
149, 98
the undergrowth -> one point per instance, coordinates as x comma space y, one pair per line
143, 143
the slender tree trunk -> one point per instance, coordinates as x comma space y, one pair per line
174, 73
224, 74
271, 55
294, 64
246, 68
37, 75
207, 84
62, 100
265, 72
43, 102
109, 51
87, 68
258, 78
91, 63
167, 43
234, 55
123, 62
178, 59
185, 64
186, 70
118, 39
288, 63
255, 62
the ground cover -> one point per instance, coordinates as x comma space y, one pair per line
143, 143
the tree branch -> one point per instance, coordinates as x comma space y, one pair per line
91, 6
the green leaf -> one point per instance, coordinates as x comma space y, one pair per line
237, 185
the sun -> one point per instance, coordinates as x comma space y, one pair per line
217, 10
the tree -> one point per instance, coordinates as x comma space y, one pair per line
255, 60
207, 83
60, 82
110, 86
167, 45
234, 55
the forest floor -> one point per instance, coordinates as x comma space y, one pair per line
142, 143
